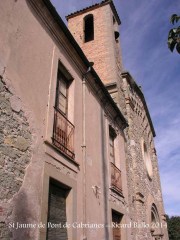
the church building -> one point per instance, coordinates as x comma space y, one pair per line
77, 153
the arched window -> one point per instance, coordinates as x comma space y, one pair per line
155, 223
88, 28
147, 159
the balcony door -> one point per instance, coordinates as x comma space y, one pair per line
62, 94
63, 132
62, 106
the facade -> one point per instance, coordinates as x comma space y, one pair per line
77, 157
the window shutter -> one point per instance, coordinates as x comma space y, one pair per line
57, 213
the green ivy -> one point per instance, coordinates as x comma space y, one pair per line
173, 224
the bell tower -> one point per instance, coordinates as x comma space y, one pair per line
96, 29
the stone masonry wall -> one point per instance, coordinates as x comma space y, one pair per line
141, 187
15, 153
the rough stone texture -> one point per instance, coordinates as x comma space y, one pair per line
15, 152
140, 186
4, 232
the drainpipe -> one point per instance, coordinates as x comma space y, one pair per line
84, 147
105, 174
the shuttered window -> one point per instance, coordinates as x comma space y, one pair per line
57, 213
63, 129
112, 136
62, 94
111, 149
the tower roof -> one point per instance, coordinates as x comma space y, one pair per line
94, 6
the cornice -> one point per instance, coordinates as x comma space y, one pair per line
50, 22
95, 6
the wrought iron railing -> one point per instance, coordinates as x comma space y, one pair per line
63, 134
116, 180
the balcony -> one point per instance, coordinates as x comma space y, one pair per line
116, 181
63, 134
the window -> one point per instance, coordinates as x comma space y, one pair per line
62, 93
57, 212
116, 181
111, 149
155, 223
116, 35
147, 160
116, 220
88, 28
112, 136
63, 130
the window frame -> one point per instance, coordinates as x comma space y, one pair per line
65, 190
147, 159
116, 221
60, 76
112, 136
63, 128
88, 36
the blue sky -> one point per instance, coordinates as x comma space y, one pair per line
144, 30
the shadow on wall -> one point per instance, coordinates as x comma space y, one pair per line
23, 219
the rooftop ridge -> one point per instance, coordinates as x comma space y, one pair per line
94, 6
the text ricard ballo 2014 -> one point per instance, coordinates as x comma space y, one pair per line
19, 225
